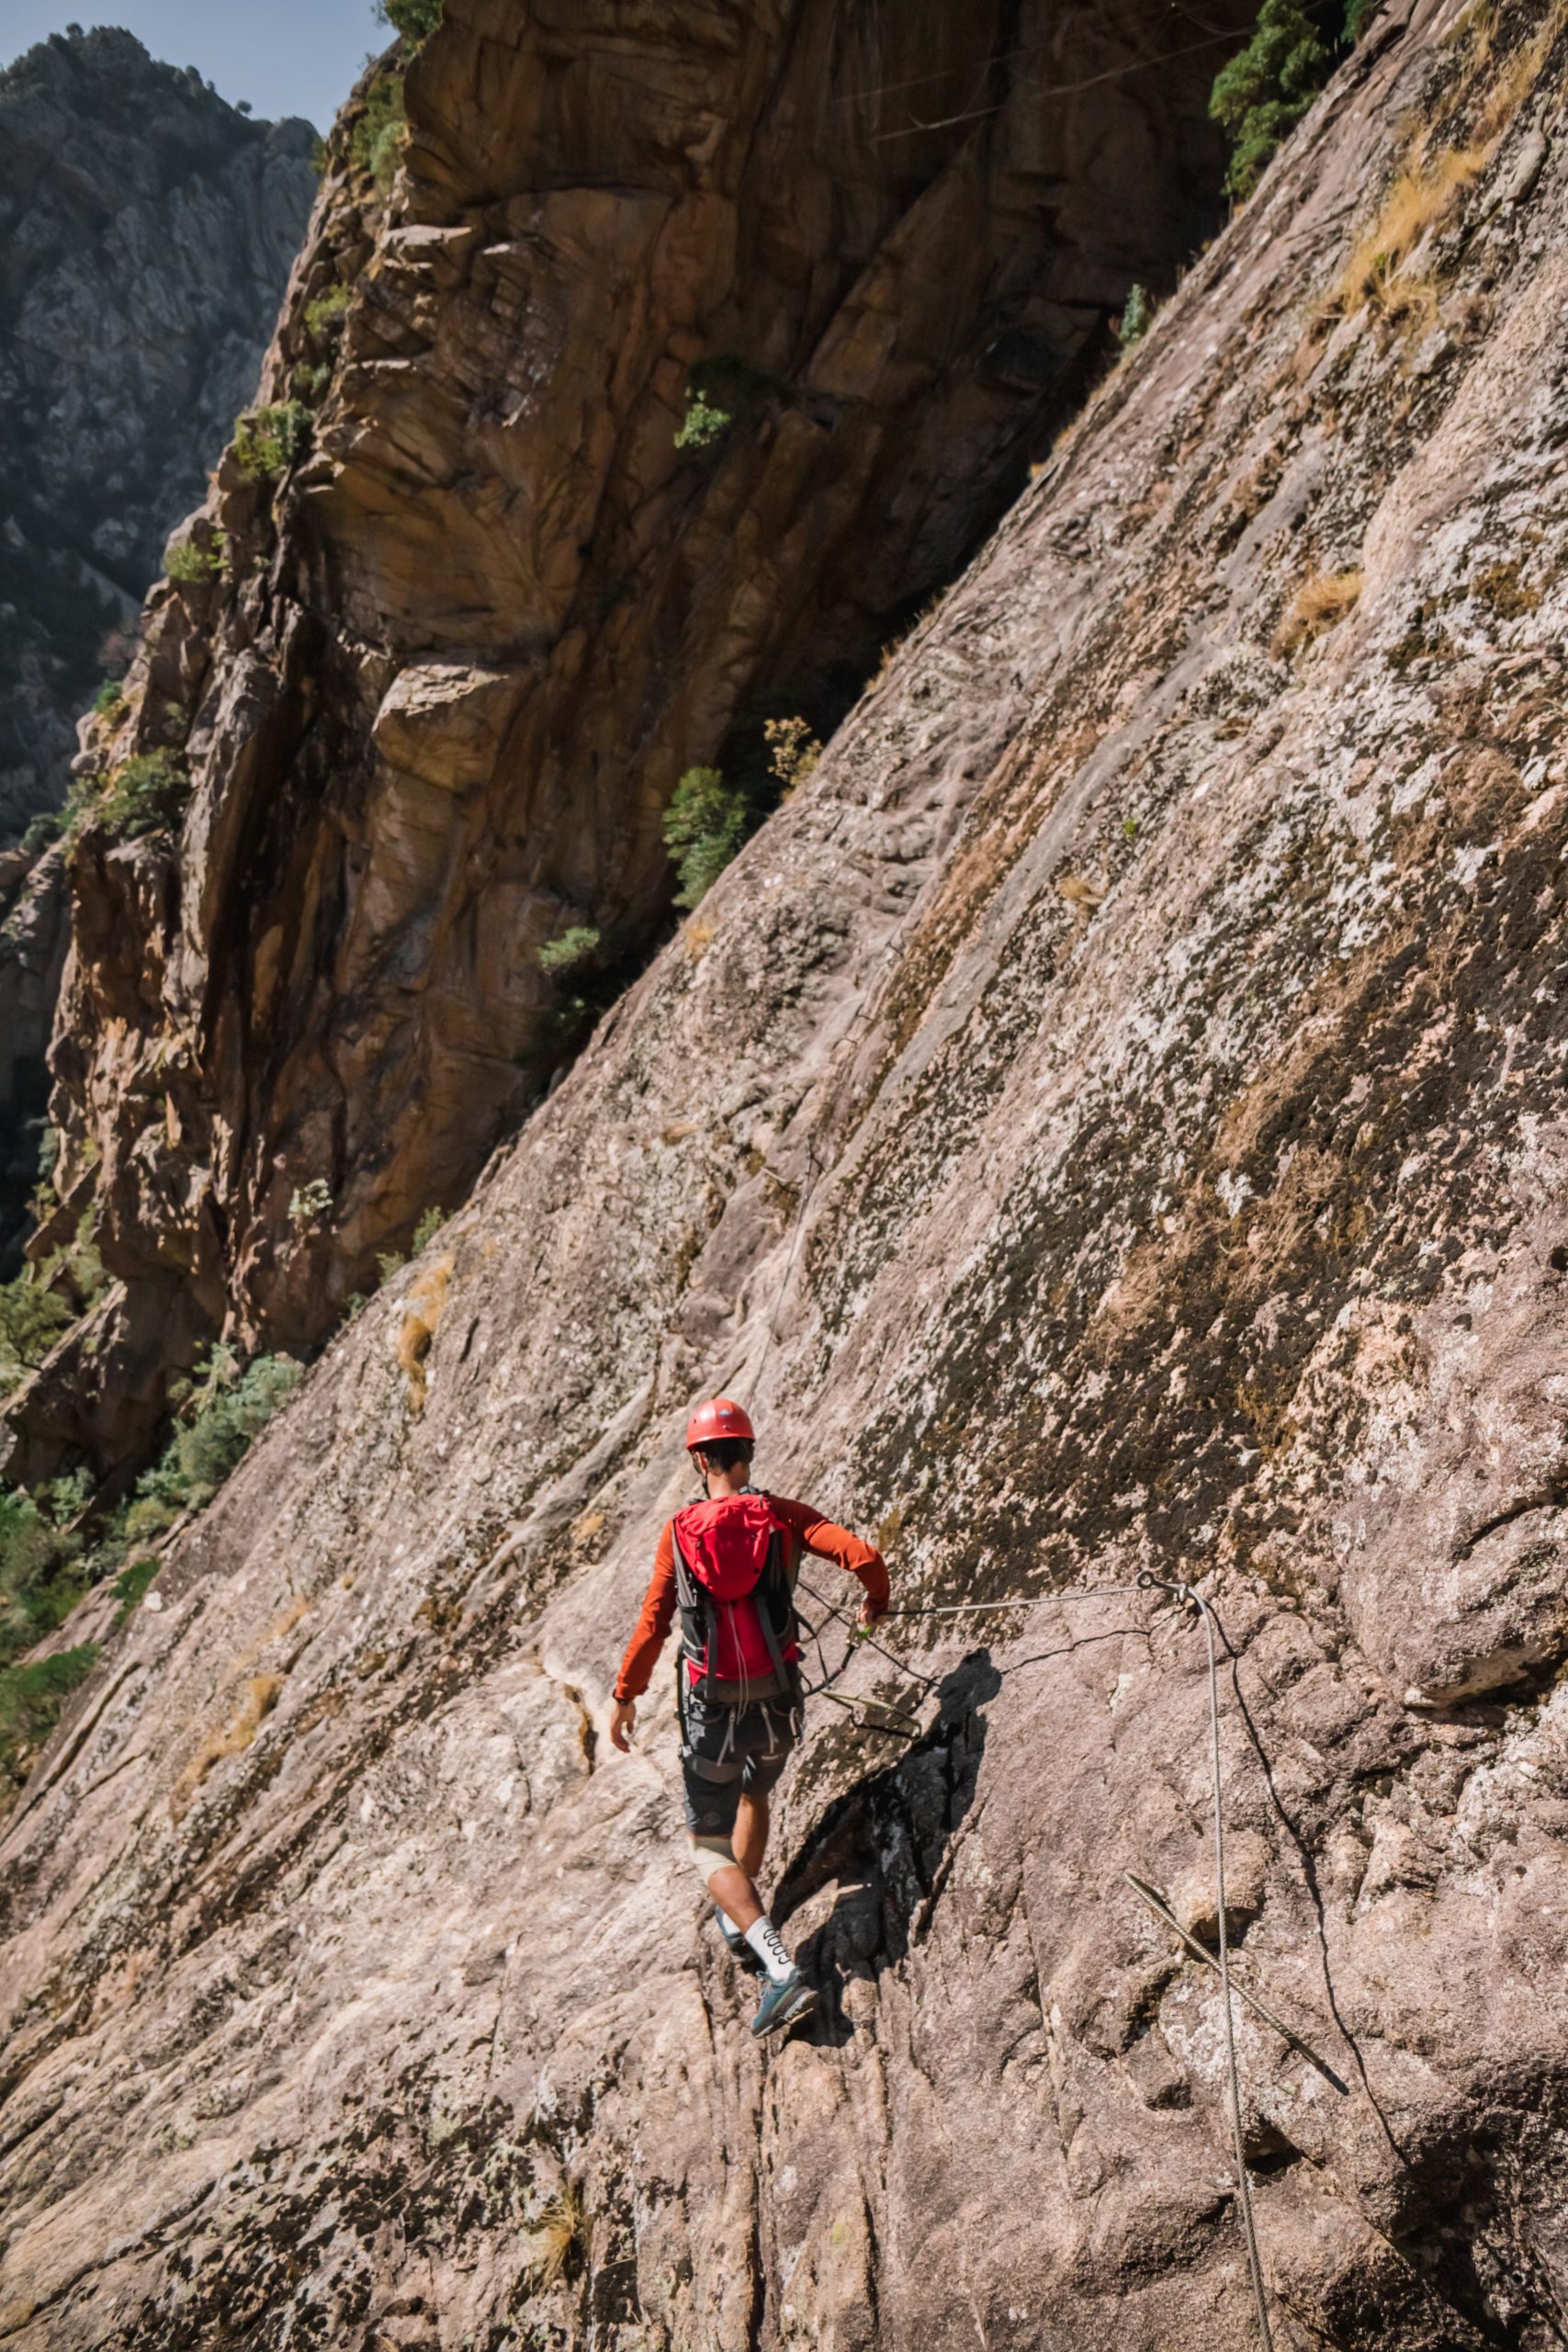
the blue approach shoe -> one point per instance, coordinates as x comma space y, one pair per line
740, 1949
784, 2004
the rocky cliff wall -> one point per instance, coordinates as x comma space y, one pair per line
146, 233
1112, 1116
469, 641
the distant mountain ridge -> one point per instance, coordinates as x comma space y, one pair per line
147, 228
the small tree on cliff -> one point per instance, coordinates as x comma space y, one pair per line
414, 20
1263, 93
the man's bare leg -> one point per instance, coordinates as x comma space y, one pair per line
733, 1887
750, 1838
735, 1895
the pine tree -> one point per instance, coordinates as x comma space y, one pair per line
1263, 93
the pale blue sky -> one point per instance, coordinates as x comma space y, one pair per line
285, 56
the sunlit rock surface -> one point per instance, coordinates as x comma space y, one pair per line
1136, 1140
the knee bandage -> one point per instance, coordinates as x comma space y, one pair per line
711, 1853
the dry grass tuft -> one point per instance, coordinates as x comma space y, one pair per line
1079, 889
1428, 192
1082, 893
561, 2237
1412, 303
697, 936
262, 1694
1516, 80
793, 752
1319, 604
422, 1309
1422, 198
890, 654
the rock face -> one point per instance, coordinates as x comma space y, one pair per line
146, 232
505, 598
1134, 1140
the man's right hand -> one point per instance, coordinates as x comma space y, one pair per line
623, 1722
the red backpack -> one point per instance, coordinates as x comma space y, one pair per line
734, 1584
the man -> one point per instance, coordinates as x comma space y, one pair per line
729, 1564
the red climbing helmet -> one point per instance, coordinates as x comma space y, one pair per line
720, 1417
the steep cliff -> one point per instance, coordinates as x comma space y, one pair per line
146, 233
1112, 1116
688, 351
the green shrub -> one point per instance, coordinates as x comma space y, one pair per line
46, 1566
704, 825
31, 1319
572, 949
703, 424
268, 440
389, 1262
42, 1574
324, 314
75, 1269
416, 20
427, 1228
377, 139
185, 562
110, 700
309, 1203
1137, 314
235, 1407
67, 1497
147, 796
1263, 91
32, 1697
133, 1582
46, 827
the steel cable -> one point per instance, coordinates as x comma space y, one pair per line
1243, 2187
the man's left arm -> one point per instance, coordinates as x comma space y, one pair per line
830, 1541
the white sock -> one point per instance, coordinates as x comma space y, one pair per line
763, 1939
725, 1921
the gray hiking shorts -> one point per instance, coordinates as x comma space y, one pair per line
728, 1753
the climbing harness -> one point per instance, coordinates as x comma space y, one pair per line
1185, 1596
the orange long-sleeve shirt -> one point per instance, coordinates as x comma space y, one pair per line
818, 1535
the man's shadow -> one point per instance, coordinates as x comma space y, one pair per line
886, 1843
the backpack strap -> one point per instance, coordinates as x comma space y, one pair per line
699, 1619
771, 1589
